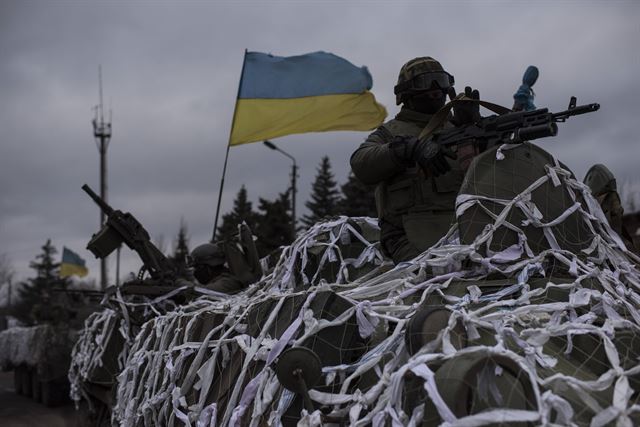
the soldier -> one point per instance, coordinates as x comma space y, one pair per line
208, 262
604, 188
227, 267
417, 180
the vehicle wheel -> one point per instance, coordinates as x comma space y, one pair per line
84, 417
17, 380
36, 387
63, 389
49, 393
426, 324
477, 382
26, 382
102, 416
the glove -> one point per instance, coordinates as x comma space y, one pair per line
403, 149
465, 113
430, 156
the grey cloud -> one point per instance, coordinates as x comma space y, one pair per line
171, 72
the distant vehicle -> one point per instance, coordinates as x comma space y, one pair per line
39, 355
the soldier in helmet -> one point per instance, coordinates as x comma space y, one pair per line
604, 188
227, 267
208, 261
417, 180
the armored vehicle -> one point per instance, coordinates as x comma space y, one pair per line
39, 355
524, 313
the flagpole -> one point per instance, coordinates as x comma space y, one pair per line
226, 156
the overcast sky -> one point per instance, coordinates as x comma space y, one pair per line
171, 72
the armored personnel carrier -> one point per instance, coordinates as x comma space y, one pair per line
524, 313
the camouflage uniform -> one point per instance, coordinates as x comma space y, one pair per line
414, 210
604, 188
226, 283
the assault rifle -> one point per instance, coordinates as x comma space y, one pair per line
508, 128
125, 228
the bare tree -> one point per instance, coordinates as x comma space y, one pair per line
6, 276
160, 243
630, 196
6, 269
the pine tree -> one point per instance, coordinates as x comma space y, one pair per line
357, 198
242, 211
181, 251
274, 225
324, 195
36, 302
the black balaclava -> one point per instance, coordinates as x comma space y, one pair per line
427, 102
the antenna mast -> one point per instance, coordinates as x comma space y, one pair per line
102, 135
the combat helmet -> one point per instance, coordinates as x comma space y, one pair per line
207, 261
494, 179
421, 74
208, 254
600, 180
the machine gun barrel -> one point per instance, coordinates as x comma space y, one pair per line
576, 111
125, 228
108, 210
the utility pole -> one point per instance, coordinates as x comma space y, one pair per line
294, 175
294, 190
102, 135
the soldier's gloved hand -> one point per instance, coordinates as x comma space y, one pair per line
403, 149
431, 158
465, 112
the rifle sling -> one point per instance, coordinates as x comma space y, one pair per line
440, 117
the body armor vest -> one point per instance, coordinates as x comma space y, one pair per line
415, 205
412, 191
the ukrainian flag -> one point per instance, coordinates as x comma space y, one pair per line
72, 264
315, 92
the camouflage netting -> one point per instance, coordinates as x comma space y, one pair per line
88, 351
102, 347
461, 336
39, 347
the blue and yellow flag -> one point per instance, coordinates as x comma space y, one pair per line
315, 92
72, 264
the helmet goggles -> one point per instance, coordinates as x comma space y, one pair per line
426, 81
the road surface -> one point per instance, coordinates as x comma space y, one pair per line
20, 411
